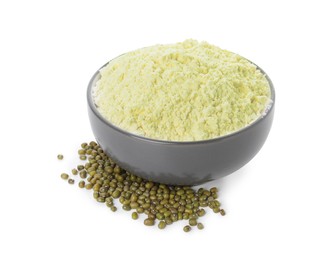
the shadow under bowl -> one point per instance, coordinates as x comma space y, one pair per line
180, 163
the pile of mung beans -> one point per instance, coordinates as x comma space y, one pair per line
163, 204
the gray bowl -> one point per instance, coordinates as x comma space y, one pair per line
179, 163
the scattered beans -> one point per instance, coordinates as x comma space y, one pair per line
165, 203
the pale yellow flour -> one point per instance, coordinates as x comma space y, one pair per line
181, 92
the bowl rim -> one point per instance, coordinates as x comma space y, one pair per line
94, 109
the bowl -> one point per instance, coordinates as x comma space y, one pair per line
180, 163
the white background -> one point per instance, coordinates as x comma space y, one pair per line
279, 206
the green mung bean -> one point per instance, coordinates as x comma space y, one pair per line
126, 207
149, 222
162, 225
81, 152
192, 222
88, 186
81, 184
200, 226
186, 228
65, 176
135, 215
101, 199
83, 174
